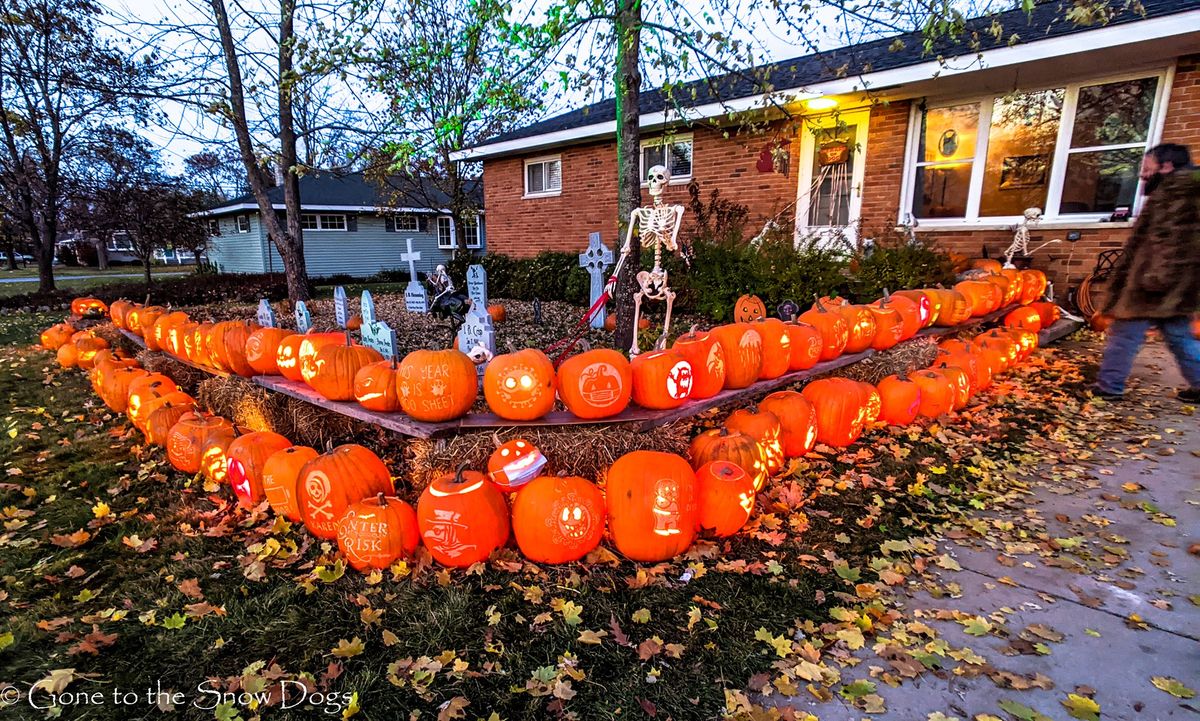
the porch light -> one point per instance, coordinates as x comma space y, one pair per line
822, 103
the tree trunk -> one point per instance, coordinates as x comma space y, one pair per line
629, 180
197, 253
146, 270
47, 233
101, 254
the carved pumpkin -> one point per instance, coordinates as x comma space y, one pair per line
280, 476
188, 439
462, 518
515, 463
1001, 353
986, 264
141, 319
1033, 285
797, 421
440, 385
748, 309
1026, 317
777, 347
86, 349
245, 459
118, 310
262, 350
953, 308
375, 387
981, 296
835, 331
960, 383
889, 327
706, 355
872, 404
329, 483
926, 307
913, 313
806, 346
1049, 313
595, 384
937, 393
721, 444
158, 333
519, 386
764, 427
743, 348
661, 379
227, 346
964, 359
335, 367
558, 519
144, 390
310, 345
840, 410
651, 505
287, 356
724, 498
1012, 293
57, 335
114, 386
899, 400
89, 308
861, 324
164, 416
375, 532
1027, 339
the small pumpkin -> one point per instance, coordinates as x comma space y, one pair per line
375, 387
937, 393
912, 312
899, 400
840, 408
797, 421
742, 346
144, 390
986, 264
329, 483
86, 350
707, 357
335, 367
661, 379
118, 310
748, 309
287, 357
1033, 285
595, 384
164, 416
651, 505
861, 324
441, 385
889, 327
497, 312
1049, 313
377, 531
57, 335
1025, 317
558, 519
89, 308
724, 498
835, 331
515, 463
764, 427
262, 350
280, 474
245, 459
722, 444
306, 355
462, 518
519, 386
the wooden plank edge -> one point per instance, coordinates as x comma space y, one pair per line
1061, 328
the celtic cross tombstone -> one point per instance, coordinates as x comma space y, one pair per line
596, 260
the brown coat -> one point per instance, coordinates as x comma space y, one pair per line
1159, 274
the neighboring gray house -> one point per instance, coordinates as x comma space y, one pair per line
351, 225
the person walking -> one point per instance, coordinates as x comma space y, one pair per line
1157, 281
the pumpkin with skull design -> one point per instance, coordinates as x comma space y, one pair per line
595, 384
558, 519
707, 358
661, 379
329, 483
462, 518
748, 309
515, 463
519, 386
651, 505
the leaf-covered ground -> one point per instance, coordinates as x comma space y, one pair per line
860, 590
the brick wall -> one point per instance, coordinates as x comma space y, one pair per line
886, 136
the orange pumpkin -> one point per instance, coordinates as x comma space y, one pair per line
651, 505
899, 400
280, 474
287, 356
190, 438
497, 312
114, 388
159, 333
748, 309
245, 459
777, 347
724, 498
89, 308
840, 410
558, 519
462, 518
743, 348
57, 335
661, 379
706, 355
980, 296
889, 327
937, 393
763, 427
144, 390
926, 310
986, 264
519, 386
164, 416
872, 404
960, 383
377, 531
375, 387
310, 345
595, 384
797, 421
118, 310
329, 483
1024, 317
721, 444
835, 331
911, 312
441, 385
861, 324
1012, 294
953, 307
86, 350
335, 368
141, 319
1033, 285
515, 463
806, 346
1049, 313
262, 350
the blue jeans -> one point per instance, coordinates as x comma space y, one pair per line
1125, 339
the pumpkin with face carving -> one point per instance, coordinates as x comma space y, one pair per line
519, 386
748, 309
558, 519
651, 505
462, 518
595, 384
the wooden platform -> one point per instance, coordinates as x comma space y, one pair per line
641, 418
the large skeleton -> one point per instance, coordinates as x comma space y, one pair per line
658, 227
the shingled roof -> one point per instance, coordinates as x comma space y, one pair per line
1045, 21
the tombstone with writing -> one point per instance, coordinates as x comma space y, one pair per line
375, 333
341, 308
266, 315
416, 298
596, 261
303, 318
788, 310
477, 330
477, 289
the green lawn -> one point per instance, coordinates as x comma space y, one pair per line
65, 277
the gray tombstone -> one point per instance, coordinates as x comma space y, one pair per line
341, 308
266, 315
416, 298
596, 261
537, 311
477, 330
303, 318
367, 307
788, 310
375, 333
477, 288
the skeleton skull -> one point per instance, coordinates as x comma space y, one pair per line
657, 176
1033, 214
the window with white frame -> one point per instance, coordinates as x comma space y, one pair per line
214, 226
120, 242
674, 152
446, 239
543, 176
243, 224
471, 229
445, 230
1073, 151
322, 221
407, 224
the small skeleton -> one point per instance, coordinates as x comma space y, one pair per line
657, 227
439, 281
1020, 243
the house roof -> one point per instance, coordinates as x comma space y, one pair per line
853, 67
353, 192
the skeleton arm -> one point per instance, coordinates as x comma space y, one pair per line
634, 220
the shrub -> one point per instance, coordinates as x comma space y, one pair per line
897, 267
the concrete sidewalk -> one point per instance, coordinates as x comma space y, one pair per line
1099, 598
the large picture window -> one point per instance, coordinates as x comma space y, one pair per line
674, 152
1072, 151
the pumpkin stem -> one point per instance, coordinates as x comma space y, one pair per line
458, 474
349, 340
817, 303
380, 499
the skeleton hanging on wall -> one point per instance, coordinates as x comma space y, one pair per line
657, 226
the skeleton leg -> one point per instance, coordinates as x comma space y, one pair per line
662, 341
637, 312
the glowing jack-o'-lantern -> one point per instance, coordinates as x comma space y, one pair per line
280, 474
743, 348
462, 518
777, 347
377, 531
558, 519
707, 358
651, 505
191, 437
246, 458
724, 498
437, 385
748, 309
721, 444
515, 463
287, 357
520, 386
329, 483
764, 427
595, 384
661, 379
89, 308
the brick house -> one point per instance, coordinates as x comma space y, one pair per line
870, 134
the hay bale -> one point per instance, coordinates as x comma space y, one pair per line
906, 357
115, 338
251, 406
185, 376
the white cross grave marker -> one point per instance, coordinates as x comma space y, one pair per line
416, 299
596, 260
